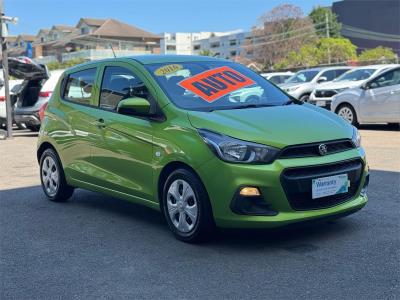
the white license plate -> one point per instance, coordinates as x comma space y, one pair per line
320, 103
331, 185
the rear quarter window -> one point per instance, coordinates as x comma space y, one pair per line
79, 86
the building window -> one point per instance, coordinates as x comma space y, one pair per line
233, 53
215, 45
196, 47
171, 47
232, 43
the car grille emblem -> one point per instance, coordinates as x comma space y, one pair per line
322, 149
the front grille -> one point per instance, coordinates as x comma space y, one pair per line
297, 184
324, 93
307, 150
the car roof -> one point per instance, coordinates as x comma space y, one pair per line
377, 66
154, 59
150, 59
319, 69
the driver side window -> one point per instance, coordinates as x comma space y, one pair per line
388, 79
118, 84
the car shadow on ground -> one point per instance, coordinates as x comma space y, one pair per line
379, 127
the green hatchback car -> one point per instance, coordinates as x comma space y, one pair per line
207, 142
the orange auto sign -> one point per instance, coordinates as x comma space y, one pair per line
213, 84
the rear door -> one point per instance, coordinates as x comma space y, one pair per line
122, 154
381, 102
78, 106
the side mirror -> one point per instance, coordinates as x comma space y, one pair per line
322, 79
134, 106
366, 86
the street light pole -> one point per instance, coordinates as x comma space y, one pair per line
5, 71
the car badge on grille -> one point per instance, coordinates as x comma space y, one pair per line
322, 149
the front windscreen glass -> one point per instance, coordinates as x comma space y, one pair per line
356, 75
214, 85
302, 76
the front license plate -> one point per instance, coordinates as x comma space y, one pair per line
331, 185
320, 103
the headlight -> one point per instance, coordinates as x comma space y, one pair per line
237, 151
340, 90
356, 139
291, 89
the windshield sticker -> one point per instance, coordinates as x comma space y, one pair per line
168, 69
216, 83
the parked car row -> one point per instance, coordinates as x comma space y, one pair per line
368, 94
29, 93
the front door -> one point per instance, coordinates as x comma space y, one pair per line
123, 154
381, 102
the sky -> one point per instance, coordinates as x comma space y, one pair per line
156, 16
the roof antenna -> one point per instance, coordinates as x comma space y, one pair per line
112, 49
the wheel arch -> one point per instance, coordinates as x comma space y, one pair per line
43, 147
167, 170
343, 104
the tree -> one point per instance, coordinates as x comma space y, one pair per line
378, 53
313, 54
319, 15
206, 52
281, 30
339, 50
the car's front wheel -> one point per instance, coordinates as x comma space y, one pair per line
347, 112
186, 207
52, 177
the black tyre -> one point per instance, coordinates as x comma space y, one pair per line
347, 112
52, 177
304, 98
186, 207
34, 128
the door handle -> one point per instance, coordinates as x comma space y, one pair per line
100, 123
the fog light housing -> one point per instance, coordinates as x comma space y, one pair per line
250, 201
365, 186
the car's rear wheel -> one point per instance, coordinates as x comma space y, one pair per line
186, 207
53, 178
347, 112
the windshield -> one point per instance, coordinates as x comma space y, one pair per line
356, 75
302, 76
208, 86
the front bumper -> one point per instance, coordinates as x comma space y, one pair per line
31, 119
321, 102
222, 181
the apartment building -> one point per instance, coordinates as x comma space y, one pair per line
231, 45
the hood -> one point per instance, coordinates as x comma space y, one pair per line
339, 85
278, 126
25, 68
291, 84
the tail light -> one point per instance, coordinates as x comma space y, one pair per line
44, 94
2, 98
41, 111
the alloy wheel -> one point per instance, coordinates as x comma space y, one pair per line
346, 114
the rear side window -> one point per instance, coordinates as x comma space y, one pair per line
330, 75
340, 72
79, 86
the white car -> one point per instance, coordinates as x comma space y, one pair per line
322, 94
12, 85
277, 77
377, 100
301, 84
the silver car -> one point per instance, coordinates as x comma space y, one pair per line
301, 84
323, 93
375, 101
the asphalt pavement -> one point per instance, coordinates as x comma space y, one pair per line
99, 247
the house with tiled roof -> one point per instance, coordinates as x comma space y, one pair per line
92, 39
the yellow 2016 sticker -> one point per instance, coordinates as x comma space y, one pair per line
168, 69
